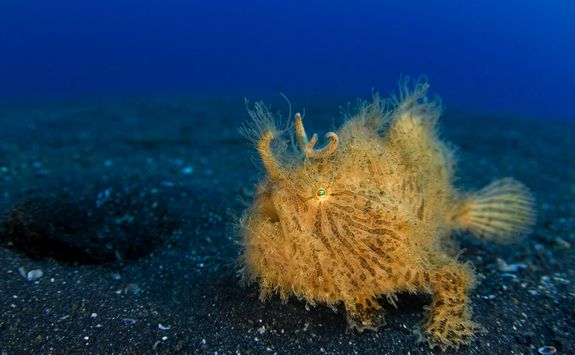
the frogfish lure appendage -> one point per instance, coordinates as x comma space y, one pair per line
369, 215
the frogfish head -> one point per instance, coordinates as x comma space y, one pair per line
324, 194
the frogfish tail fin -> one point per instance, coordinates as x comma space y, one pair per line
500, 212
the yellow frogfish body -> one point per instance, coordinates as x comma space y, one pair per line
371, 214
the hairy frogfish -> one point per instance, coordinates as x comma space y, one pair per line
371, 214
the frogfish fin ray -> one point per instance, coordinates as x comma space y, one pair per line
500, 212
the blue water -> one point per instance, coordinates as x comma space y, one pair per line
504, 57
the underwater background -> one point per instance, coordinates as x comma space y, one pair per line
511, 57
122, 171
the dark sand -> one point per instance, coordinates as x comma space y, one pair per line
158, 182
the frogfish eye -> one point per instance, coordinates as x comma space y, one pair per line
321, 192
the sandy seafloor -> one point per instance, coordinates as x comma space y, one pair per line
159, 182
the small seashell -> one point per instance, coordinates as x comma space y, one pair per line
34, 275
504, 267
22, 271
164, 327
547, 350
